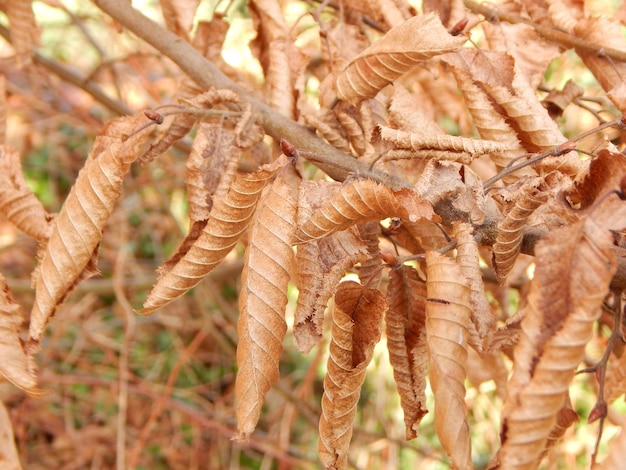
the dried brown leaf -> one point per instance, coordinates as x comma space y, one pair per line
447, 318
370, 270
16, 366
24, 31
183, 122
360, 201
213, 158
320, 265
406, 341
9, 457
468, 65
262, 301
77, 230
575, 265
610, 74
356, 330
179, 15
468, 258
18, 202
511, 228
457, 147
329, 127
227, 222
417, 39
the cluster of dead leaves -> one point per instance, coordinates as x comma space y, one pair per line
421, 273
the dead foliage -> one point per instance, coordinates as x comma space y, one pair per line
376, 190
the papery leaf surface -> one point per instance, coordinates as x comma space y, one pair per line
575, 265
77, 230
228, 220
17, 366
417, 39
360, 201
483, 321
262, 301
320, 265
356, 330
447, 318
511, 228
9, 456
18, 202
406, 341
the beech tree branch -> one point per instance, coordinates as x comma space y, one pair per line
491, 13
332, 161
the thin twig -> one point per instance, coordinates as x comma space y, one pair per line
332, 161
491, 13
554, 152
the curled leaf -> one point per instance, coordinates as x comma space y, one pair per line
453, 145
17, 366
262, 301
320, 265
406, 341
417, 39
360, 201
511, 229
447, 318
227, 222
356, 330
575, 265
77, 230
17, 201
483, 320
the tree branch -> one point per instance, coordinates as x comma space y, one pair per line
491, 13
332, 161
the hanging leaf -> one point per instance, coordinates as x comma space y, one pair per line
17, 366
227, 222
447, 318
360, 201
483, 323
18, 202
320, 265
262, 301
415, 40
356, 330
406, 341
575, 265
9, 457
77, 230
511, 228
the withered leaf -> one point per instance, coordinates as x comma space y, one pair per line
483, 322
575, 265
406, 341
17, 201
17, 366
447, 318
417, 39
77, 230
360, 201
263, 299
228, 220
356, 330
511, 228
